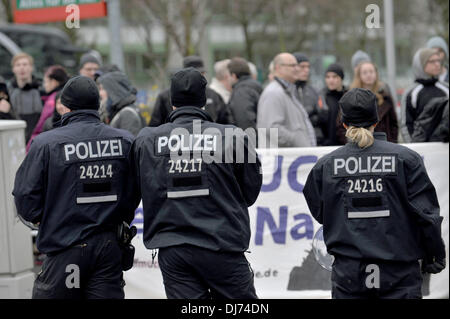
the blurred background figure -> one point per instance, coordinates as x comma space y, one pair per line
359, 57
279, 107
25, 96
367, 77
119, 97
54, 80
271, 75
253, 70
328, 104
245, 95
89, 64
442, 47
215, 106
426, 66
220, 83
308, 95
6, 112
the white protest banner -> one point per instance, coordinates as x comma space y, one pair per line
282, 230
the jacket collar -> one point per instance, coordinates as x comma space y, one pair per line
34, 84
429, 81
190, 112
284, 84
241, 79
380, 136
80, 116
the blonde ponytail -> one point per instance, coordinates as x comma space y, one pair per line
363, 137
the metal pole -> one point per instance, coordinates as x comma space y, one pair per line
115, 42
390, 46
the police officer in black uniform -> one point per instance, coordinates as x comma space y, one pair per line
196, 189
76, 183
378, 207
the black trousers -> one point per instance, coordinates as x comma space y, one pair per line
191, 272
90, 270
375, 279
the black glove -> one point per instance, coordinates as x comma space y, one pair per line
436, 265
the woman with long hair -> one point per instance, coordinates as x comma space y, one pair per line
367, 77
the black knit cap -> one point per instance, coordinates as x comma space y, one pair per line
300, 57
188, 88
336, 68
359, 108
80, 92
194, 61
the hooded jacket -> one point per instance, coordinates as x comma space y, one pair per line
121, 109
417, 96
432, 124
438, 42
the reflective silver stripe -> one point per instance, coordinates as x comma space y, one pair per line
415, 94
96, 199
373, 214
196, 192
442, 87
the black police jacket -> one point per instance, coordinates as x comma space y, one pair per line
76, 180
376, 202
195, 199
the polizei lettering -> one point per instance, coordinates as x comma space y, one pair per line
186, 143
375, 164
93, 150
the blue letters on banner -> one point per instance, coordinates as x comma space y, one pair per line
292, 172
264, 215
276, 180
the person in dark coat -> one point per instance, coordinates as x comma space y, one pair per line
245, 94
308, 95
426, 67
328, 105
196, 205
379, 210
77, 184
432, 125
215, 105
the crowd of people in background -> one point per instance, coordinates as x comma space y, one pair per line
303, 115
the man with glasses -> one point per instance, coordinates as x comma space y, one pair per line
426, 68
280, 107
